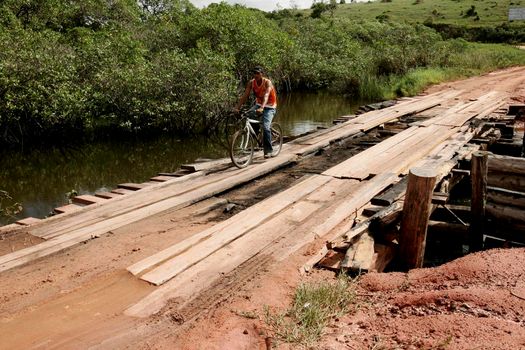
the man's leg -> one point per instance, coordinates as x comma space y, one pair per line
268, 115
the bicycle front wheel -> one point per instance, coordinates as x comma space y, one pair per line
277, 138
241, 148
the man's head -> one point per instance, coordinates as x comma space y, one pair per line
257, 72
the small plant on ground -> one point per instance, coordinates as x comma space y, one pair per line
313, 307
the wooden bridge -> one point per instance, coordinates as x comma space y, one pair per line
326, 206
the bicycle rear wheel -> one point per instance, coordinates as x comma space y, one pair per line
277, 138
241, 148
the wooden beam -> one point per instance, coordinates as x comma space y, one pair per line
506, 197
505, 214
506, 164
479, 196
416, 213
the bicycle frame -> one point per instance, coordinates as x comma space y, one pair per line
251, 131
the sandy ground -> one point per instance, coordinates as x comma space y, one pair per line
75, 299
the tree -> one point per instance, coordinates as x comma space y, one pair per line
320, 7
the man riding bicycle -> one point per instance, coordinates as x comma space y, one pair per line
265, 105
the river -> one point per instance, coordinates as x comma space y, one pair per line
40, 180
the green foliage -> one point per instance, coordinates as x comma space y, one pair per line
74, 68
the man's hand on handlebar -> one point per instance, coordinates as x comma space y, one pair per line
260, 110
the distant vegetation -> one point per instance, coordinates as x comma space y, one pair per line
474, 20
74, 69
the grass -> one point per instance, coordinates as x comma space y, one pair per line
313, 307
490, 12
474, 60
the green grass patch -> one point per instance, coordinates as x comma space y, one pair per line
313, 307
486, 12
473, 59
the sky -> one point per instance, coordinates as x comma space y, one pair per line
265, 5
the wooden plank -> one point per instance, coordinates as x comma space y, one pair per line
122, 191
371, 210
88, 199
28, 221
225, 231
383, 255
131, 186
213, 164
107, 195
349, 206
392, 194
190, 252
160, 178
358, 166
360, 256
8, 228
67, 208
506, 197
332, 260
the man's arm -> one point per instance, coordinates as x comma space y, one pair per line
245, 96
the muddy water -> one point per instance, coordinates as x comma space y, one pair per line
41, 179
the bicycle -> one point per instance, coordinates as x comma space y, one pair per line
242, 145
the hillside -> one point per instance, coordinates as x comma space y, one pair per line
487, 12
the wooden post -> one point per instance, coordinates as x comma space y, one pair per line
478, 174
416, 213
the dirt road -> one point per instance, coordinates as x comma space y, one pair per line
76, 298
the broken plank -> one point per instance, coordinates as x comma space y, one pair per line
359, 257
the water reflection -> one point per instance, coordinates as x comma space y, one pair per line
41, 179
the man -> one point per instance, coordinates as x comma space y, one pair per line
265, 105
